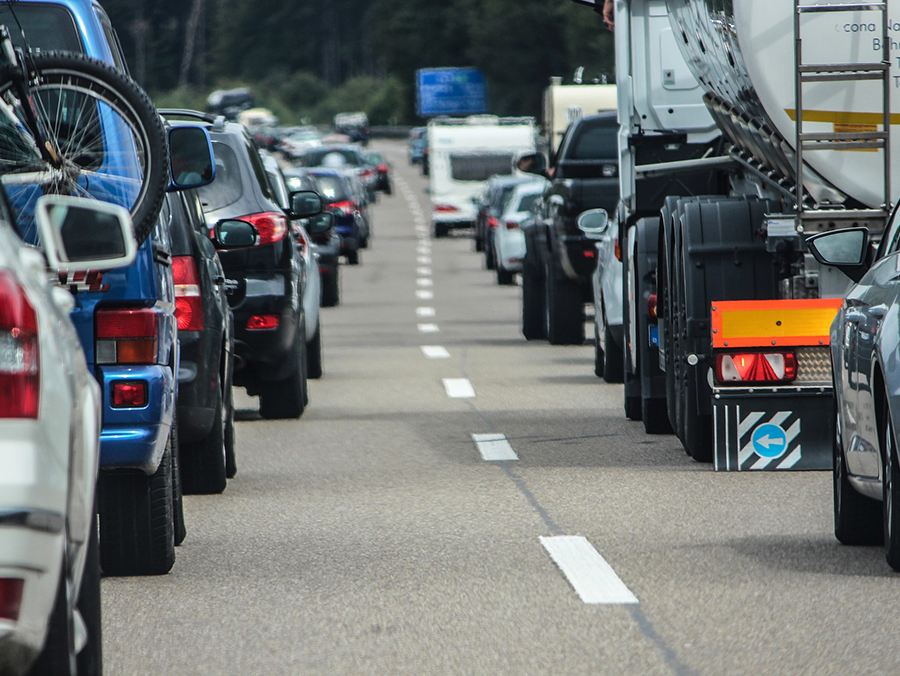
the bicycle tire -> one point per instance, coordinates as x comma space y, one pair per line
110, 140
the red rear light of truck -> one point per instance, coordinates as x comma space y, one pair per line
127, 336
20, 376
188, 302
756, 367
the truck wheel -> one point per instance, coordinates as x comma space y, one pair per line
314, 354
331, 290
534, 326
137, 529
90, 659
614, 358
857, 519
203, 463
564, 308
890, 485
283, 399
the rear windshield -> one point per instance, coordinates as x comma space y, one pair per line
467, 167
526, 202
47, 27
331, 157
331, 188
595, 142
227, 188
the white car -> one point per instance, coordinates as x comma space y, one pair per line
508, 241
50, 410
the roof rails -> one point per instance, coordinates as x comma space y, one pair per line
218, 121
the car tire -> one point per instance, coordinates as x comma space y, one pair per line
634, 408
331, 290
230, 454
203, 464
599, 355
178, 525
857, 519
137, 530
505, 277
364, 242
90, 659
614, 358
479, 243
490, 262
534, 325
564, 308
890, 485
353, 257
57, 657
440, 230
314, 355
655, 416
286, 399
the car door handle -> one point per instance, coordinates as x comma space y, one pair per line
878, 311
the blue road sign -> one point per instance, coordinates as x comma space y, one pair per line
769, 441
450, 91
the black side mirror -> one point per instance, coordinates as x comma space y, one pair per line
234, 234
532, 163
847, 250
306, 203
191, 160
320, 223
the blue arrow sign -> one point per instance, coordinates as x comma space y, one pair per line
769, 441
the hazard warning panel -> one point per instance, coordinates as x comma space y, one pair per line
777, 432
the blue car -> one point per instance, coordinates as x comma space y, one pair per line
125, 319
336, 190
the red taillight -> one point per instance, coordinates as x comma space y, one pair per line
262, 322
127, 336
346, 207
11, 597
383, 168
188, 302
590, 253
271, 226
20, 376
444, 208
756, 367
617, 249
128, 393
511, 225
490, 222
651, 305
367, 173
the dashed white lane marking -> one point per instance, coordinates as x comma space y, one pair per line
423, 249
428, 328
435, 352
423, 294
459, 388
590, 575
424, 260
494, 447
424, 272
425, 312
424, 281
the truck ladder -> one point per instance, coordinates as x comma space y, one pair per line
854, 140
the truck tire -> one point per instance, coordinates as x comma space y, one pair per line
137, 529
857, 519
284, 399
203, 464
534, 326
564, 308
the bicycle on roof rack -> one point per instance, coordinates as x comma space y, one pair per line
73, 125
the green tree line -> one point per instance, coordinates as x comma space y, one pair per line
308, 59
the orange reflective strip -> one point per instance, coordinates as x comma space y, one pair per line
768, 323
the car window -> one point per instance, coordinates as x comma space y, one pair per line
112, 39
48, 27
526, 202
178, 225
595, 142
471, 167
331, 188
279, 188
335, 157
227, 188
258, 169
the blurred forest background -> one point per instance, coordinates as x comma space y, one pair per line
309, 59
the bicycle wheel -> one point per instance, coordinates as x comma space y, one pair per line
104, 140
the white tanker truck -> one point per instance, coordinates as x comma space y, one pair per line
746, 126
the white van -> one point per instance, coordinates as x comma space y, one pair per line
462, 154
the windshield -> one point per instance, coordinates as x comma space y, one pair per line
331, 188
331, 157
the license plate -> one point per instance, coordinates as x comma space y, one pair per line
654, 335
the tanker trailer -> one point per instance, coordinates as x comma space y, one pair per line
728, 313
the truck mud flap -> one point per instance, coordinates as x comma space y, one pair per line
773, 432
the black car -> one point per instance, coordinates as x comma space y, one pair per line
206, 339
326, 245
382, 170
265, 277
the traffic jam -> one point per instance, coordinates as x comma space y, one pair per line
609, 390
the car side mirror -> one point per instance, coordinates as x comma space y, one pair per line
593, 223
532, 163
306, 204
847, 250
192, 163
320, 223
235, 234
79, 234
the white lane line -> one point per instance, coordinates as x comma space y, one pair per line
435, 352
424, 260
424, 272
428, 328
425, 312
423, 294
494, 447
423, 249
424, 281
459, 388
590, 575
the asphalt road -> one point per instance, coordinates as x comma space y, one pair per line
371, 537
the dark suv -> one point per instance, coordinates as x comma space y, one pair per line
265, 280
